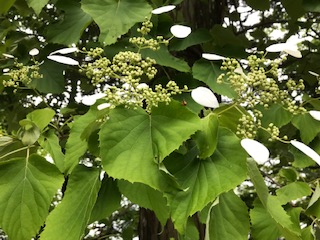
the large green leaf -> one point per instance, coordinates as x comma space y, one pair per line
53, 79
206, 138
208, 72
70, 29
263, 225
116, 17
164, 58
294, 8
204, 180
259, 5
308, 126
229, 219
146, 197
276, 114
197, 37
293, 191
272, 204
133, 143
37, 5
311, 5
108, 200
70, 218
5, 5
50, 142
76, 145
27, 187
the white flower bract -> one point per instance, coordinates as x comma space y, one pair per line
306, 150
315, 114
163, 9
180, 31
34, 52
91, 99
211, 56
63, 59
7, 55
103, 106
256, 150
205, 97
289, 48
65, 50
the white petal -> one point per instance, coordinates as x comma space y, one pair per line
103, 106
289, 48
63, 59
5, 70
34, 52
210, 56
315, 114
180, 31
65, 50
163, 9
7, 55
91, 99
314, 74
256, 150
306, 150
205, 97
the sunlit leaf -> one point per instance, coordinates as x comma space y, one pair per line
132, 140
27, 187
70, 218
229, 219
37, 5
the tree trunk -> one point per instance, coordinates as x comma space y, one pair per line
151, 229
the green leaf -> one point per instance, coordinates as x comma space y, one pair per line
208, 72
311, 5
276, 114
37, 5
53, 79
197, 37
314, 203
290, 173
27, 187
263, 225
225, 37
41, 117
50, 142
70, 218
204, 180
206, 138
146, 197
293, 191
259, 5
115, 17
74, 22
308, 126
308, 233
164, 58
229, 116
229, 219
132, 143
294, 8
108, 200
76, 146
272, 204
29, 133
5, 5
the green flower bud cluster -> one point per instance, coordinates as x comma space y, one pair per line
22, 74
249, 124
146, 27
260, 85
134, 95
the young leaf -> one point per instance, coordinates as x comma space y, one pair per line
229, 219
132, 142
70, 218
27, 187
41, 117
37, 5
